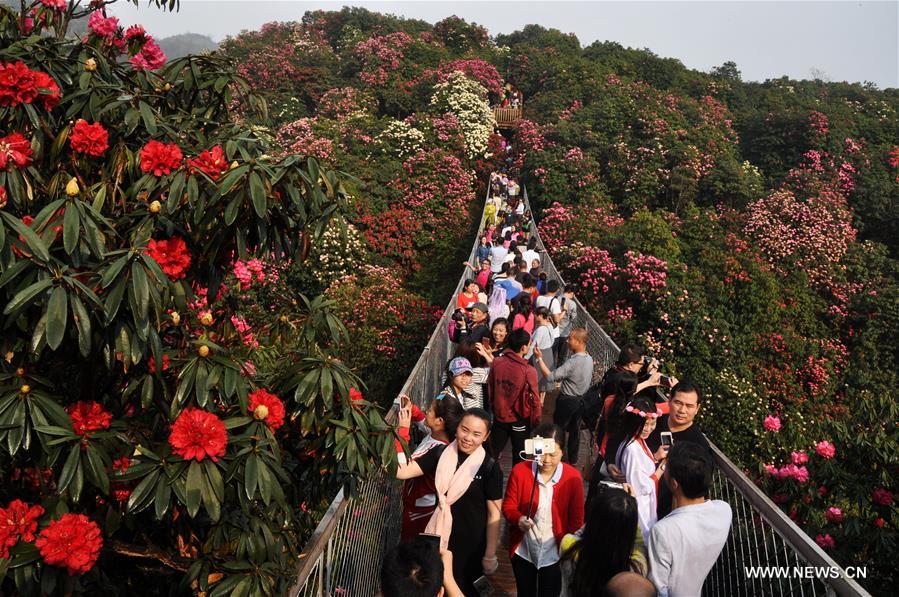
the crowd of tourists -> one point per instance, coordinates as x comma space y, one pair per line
645, 526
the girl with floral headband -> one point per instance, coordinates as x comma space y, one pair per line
637, 463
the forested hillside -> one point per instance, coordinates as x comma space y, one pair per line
746, 233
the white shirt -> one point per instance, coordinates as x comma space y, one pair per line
542, 339
529, 257
554, 304
497, 255
638, 467
684, 546
539, 544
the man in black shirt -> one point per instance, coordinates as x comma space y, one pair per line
683, 407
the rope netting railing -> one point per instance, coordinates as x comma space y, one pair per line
343, 556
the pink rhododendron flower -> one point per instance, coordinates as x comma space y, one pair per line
800, 457
772, 423
825, 541
825, 449
101, 25
882, 497
834, 515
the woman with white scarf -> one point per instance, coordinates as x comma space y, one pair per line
469, 493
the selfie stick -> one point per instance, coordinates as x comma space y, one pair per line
537, 460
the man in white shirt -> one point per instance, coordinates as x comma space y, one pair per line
497, 256
684, 545
531, 254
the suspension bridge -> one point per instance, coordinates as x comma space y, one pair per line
343, 556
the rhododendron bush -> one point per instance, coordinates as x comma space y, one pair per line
148, 244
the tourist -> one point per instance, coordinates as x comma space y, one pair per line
683, 406
507, 282
498, 254
542, 340
637, 463
512, 387
544, 502
569, 315
475, 353
684, 545
457, 379
483, 251
469, 485
531, 254
477, 328
419, 497
499, 333
416, 568
609, 543
575, 376
522, 313
469, 294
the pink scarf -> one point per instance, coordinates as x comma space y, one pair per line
451, 484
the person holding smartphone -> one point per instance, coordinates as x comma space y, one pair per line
544, 502
683, 406
419, 494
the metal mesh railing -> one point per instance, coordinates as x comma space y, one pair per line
343, 556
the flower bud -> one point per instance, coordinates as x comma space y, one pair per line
260, 412
206, 318
25, 388
155, 207
234, 164
176, 318
168, 87
203, 351
72, 189
90, 65
3, 197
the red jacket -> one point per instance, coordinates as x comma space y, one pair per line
509, 377
567, 504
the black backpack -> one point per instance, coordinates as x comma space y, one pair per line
592, 405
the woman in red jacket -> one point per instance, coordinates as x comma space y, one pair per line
542, 504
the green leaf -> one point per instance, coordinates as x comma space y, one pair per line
175, 192
25, 296
146, 114
31, 237
257, 194
251, 476
82, 324
141, 289
96, 469
211, 484
57, 314
73, 461
140, 497
163, 497
195, 483
70, 228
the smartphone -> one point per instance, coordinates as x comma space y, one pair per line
483, 587
432, 540
667, 439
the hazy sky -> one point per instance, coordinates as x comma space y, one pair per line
843, 41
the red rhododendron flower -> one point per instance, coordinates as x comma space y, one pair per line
17, 84
121, 464
355, 395
171, 255
101, 25
882, 497
151, 363
72, 542
17, 520
267, 407
197, 434
88, 416
160, 158
90, 139
50, 94
211, 162
3, 197
54, 4
150, 57
15, 150
879, 522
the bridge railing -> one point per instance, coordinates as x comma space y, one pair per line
506, 117
343, 556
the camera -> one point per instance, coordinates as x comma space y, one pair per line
539, 446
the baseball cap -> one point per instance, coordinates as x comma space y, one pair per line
459, 365
480, 307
